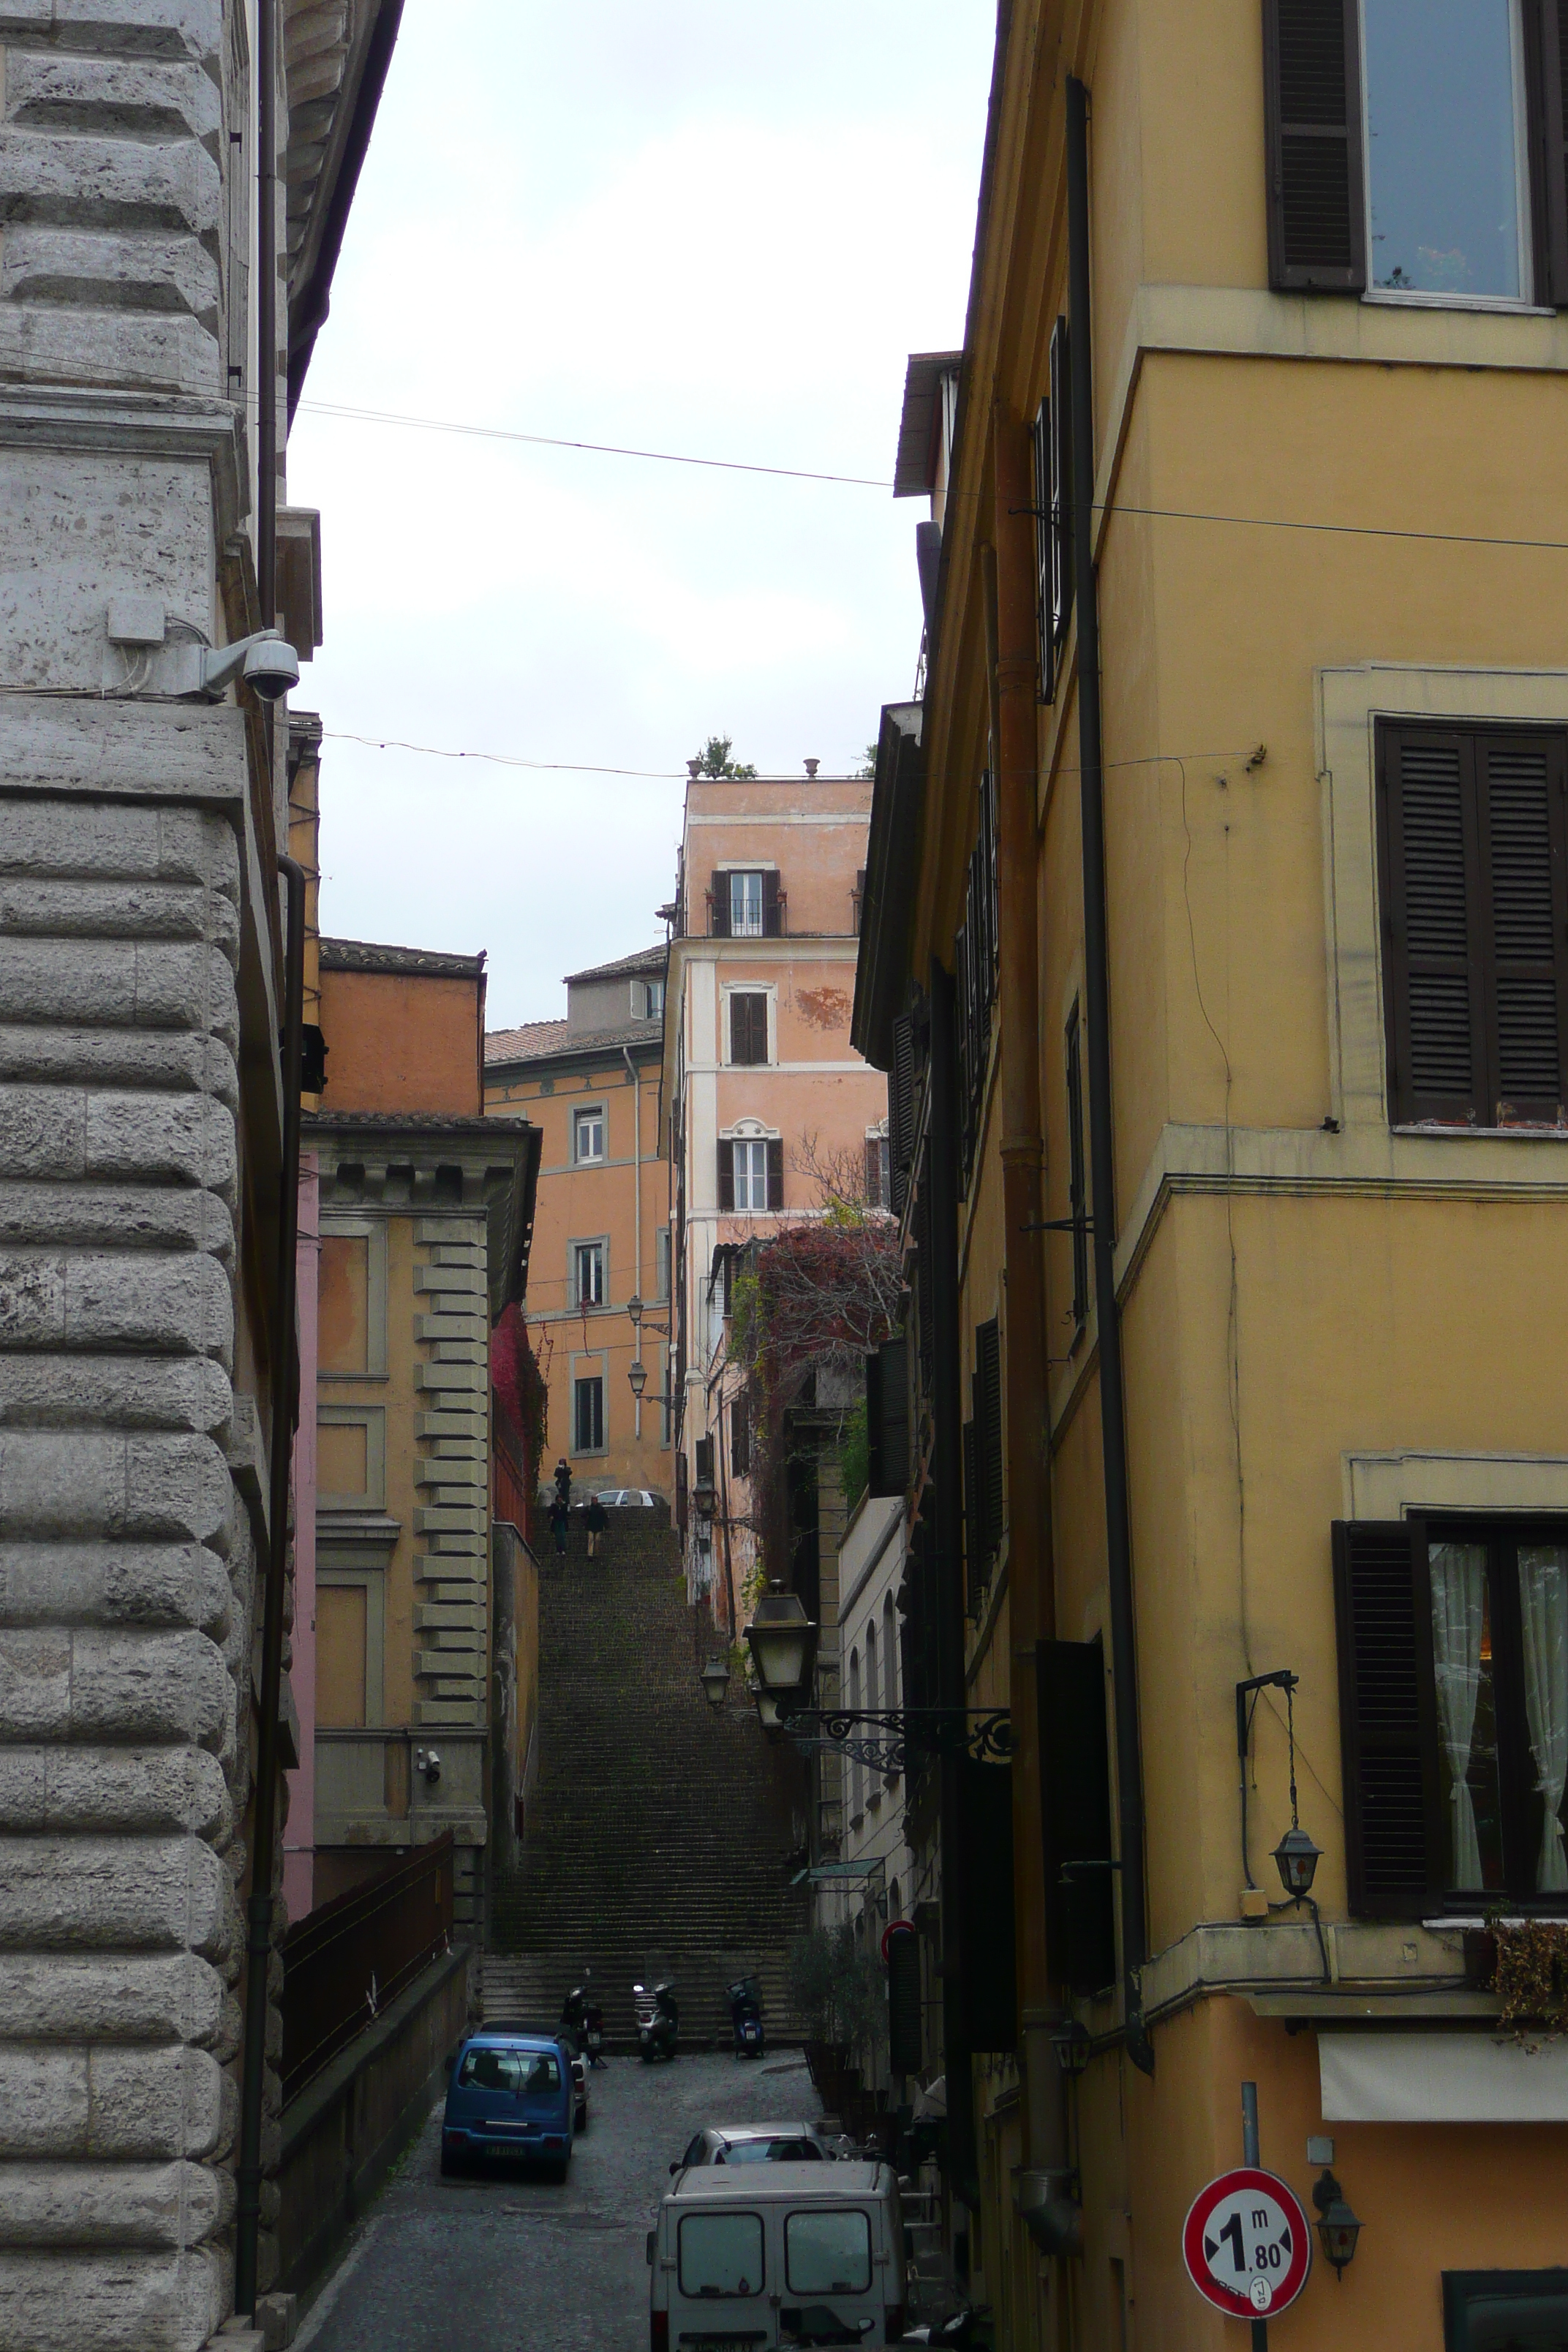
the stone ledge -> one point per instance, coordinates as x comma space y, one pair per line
151, 751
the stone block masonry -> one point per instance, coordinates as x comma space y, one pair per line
126, 1562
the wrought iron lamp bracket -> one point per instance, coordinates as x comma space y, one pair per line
885, 1738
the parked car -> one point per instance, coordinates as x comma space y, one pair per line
778, 2253
628, 1499
511, 2096
534, 2029
755, 2144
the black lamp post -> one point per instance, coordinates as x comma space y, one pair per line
783, 1642
1338, 2227
637, 1375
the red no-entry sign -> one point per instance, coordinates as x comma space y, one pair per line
1246, 2244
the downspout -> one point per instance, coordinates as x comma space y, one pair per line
637, 1200
1102, 1177
947, 1477
264, 1820
284, 1368
1031, 1594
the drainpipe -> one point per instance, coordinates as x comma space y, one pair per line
636, 1199
267, 311
264, 1818
1103, 1178
1031, 1594
947, 1477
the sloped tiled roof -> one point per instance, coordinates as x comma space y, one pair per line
366, 955
645, 960
542, 1041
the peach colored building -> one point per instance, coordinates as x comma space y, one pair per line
590, 1084
763, 1095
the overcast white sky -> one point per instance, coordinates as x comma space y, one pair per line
709, 226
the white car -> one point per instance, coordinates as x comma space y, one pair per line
628, 1499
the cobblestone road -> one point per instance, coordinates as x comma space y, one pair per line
507, 2263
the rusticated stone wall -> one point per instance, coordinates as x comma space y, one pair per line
131, 1478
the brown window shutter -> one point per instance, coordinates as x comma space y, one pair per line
873, 1171
1388, 1734
902, 1111
748, 1028
1547, 72
1075, 1813
888, 1417
771, 925
858, 908
1042, 452
719, 925
988, 1427
726, 1175
740, 1437
1432, 926
1311, 83
974, 1543
1520, 785
776, 1174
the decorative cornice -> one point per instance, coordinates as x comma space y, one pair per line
411, 1164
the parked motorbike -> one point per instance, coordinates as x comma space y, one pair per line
745, 2001
585, 2020
657, 2020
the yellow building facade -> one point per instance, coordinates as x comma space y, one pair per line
1259, 399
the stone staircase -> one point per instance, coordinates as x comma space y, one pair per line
659, 1828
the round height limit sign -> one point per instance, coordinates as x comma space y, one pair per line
1246, 2244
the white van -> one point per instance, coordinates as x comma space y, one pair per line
764, 2255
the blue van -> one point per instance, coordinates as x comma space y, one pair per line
511, 2095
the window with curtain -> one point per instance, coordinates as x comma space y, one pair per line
1454, 1713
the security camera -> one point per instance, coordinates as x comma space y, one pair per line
268, 663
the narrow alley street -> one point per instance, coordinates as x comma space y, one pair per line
505, 2263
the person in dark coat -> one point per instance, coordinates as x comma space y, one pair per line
560, 1519
598, 1521
562, 1481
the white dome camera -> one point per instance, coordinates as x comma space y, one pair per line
268, 663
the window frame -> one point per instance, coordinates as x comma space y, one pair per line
580, 1113
578, 1249
1462, 2290
738, 993
583, 1370
1362, 1733
744, 874
836, 2212
720, 2295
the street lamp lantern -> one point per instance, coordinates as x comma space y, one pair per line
1338, 2227
1296, 1858
783, 1642
1071, 2044
637, 1375
633, 1308
715, 1681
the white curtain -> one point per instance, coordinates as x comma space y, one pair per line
1543, 1607
1459, 1612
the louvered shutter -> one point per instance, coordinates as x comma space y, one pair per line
1311, 77
776, 1174
988, 1426
900, 1111
906, 2053
1432, 926
987, 1962
726, 1175
1075, 1813
974, 1541
771, 924
1048, 650
1520, 805
888, 1417
873, 1171
1552, 107
719, 897
1061, 482
1388, 1738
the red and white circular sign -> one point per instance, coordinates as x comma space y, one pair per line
1246, 2244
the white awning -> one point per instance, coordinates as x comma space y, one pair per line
1441, 2078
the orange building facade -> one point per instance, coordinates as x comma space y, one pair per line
601, 1251
768, 1109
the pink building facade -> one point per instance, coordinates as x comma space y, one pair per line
299, 1829
768, 1109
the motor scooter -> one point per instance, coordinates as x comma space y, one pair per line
585, 2020
745, 2001
657, 2020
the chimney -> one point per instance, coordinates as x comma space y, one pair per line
810, 768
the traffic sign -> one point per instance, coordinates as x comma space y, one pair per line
1246, 2244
